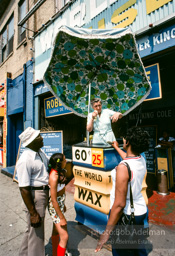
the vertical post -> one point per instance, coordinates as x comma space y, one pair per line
89, 104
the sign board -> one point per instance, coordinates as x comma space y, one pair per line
156, 42
150, 153
92, 188
53, 143
92, 156
54, 108
92, 179
154, 78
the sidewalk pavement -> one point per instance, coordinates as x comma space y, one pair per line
82, 240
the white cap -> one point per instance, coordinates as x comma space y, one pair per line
28, 135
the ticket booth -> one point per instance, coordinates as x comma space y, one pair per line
92, 167
164, 161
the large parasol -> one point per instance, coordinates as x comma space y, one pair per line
88, 63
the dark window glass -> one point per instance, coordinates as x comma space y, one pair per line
6, 40
10, 35
22, 13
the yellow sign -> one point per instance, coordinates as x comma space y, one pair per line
124, 16
93, 199
152, 5
92, 188
95, 180
97, 157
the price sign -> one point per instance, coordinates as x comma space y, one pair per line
81, 155
97, 157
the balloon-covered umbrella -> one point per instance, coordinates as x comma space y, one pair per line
107, 60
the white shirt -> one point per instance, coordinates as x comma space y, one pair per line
102, 127
31, 170
138, 171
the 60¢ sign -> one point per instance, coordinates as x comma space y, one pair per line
93, 156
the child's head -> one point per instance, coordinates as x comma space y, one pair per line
57, 161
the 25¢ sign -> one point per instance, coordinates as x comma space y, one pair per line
97, 157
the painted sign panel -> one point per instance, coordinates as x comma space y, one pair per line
81, 155
153, 43
54, 108
92, 188
92, 156
53, 143
154, 78
95, 180
97, 157
95, 200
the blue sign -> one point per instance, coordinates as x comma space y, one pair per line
53, 142
154, 78
159, 41
54, 108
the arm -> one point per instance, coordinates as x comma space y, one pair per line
119, 150
53, 181
116, 116
121, 189
90, 124
28, 200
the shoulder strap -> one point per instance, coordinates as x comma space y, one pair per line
131, 197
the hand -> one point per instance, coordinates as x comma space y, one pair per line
115, 144
35, 220
116, 116
103, 239
94, 114
63, 222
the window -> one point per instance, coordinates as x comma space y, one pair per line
60, 4
10, 35
6, 39
22, 13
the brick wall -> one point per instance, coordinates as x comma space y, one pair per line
21, 52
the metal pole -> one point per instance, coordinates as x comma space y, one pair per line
89, 104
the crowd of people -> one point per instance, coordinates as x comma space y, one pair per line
42, 184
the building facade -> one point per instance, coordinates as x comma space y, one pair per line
16, 69
152, 22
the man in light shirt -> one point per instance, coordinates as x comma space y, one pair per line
33, 184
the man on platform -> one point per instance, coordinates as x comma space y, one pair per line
33, 184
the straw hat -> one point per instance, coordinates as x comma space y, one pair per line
28, 136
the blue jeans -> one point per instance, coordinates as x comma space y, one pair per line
140, 250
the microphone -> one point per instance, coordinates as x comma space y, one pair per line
109, 142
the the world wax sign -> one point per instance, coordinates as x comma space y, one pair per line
92, 188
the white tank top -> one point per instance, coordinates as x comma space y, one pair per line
138, 171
